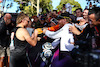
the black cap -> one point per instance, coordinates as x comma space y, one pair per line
64, 17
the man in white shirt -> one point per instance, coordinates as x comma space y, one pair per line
67, 40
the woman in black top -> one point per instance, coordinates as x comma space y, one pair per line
21, 38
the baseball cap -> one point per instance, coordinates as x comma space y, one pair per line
64, 17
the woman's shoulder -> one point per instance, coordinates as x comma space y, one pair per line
21, 30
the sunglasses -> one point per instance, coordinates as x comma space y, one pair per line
27, 20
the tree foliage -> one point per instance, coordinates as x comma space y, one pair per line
31, 10
46, 4
74, 4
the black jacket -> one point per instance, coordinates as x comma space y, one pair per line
4, 34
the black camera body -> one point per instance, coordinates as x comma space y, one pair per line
85, 55
84, 44
86, 59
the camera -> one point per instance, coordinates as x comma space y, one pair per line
54, 21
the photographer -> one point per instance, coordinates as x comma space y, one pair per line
4, 38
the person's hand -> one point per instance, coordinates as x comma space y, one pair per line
36, 31
34, 34
44, 30
74, 30
38, 38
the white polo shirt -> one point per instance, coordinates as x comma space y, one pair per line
65, 35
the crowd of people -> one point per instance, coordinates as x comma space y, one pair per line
22, 45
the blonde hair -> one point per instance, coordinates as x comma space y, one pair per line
20, 17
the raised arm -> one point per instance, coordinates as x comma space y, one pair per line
31, 40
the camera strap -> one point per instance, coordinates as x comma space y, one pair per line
98, 33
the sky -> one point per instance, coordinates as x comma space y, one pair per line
12, 9
55, 3
82, 2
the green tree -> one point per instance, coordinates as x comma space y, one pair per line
27, 6
72, 2
46, 4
